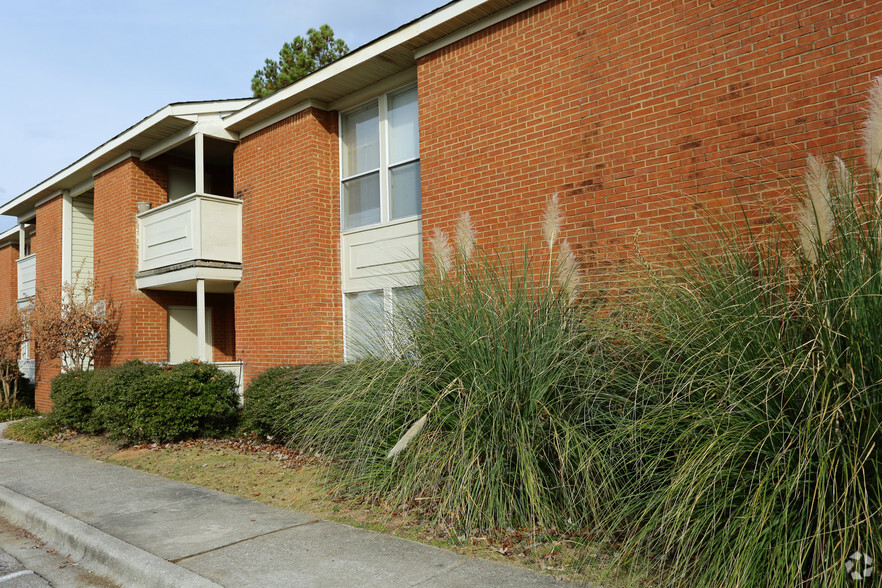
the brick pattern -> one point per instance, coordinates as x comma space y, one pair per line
655, 115
143, 332
8, 278
46, 245
288, 305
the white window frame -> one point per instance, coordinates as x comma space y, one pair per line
384, 170
386, 166
390, 327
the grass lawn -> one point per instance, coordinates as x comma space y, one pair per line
280, 477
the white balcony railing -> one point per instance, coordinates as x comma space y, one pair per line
27, 276
198, 227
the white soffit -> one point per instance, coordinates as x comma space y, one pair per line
370, 63
165, 121
476, 27
9, 237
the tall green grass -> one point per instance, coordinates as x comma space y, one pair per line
751, 454
494, 358
724, 422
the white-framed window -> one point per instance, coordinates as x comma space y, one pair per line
380, 322
380, 160
380, 221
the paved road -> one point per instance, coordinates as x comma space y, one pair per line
14, 575
26, 562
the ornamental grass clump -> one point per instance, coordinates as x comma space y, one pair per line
480, 413
750, 456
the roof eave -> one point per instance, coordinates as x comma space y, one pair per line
75, 173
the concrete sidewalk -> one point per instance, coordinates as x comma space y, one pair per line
144, 530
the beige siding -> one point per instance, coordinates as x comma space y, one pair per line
82, 238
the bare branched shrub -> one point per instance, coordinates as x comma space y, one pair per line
73, 326
12, 334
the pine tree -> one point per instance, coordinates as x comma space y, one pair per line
297, 59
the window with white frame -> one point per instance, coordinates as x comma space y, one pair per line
381, 205
381, 322
381, 160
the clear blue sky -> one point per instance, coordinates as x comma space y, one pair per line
75, 73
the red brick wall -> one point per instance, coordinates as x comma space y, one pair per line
288, 305
8, 278
46, 245
142, 331
651, 115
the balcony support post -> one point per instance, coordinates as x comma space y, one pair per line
200, 163
22, 240
200, 319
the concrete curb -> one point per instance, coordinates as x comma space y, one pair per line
106, 555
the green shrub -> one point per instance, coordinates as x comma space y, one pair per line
138, 402
278, 400
72, 404
16, 412
33, 430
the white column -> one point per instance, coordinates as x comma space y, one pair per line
200, 163
200, 319
22, 240
67, 276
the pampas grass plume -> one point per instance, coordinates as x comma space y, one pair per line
552, 221
569, 278
464, 236
409, 436
442, 253
816, 213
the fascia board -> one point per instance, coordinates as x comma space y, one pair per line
187, 111
353, 60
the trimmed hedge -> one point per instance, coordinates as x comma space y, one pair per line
139, 402
72, 404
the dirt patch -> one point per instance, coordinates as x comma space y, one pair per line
127, 454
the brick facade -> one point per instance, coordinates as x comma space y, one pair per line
288, 305
143, 331
654, 115
46, 245
8, 278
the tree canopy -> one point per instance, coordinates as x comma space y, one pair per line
297, 59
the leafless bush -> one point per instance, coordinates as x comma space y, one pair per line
73, 326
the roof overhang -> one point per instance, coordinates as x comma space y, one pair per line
159, 126
9, 237
381, 59
390, 58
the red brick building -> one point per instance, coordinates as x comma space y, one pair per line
259, 232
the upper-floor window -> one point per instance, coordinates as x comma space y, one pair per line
381, 160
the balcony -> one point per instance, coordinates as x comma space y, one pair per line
197, 237
27, 277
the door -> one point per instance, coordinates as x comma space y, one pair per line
182, 339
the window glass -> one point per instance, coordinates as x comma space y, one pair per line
404, 128
404, 182
361, 141
365, 324
361, 201
408, 303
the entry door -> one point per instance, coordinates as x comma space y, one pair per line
182, 340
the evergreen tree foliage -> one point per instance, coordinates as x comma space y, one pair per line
297, 59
